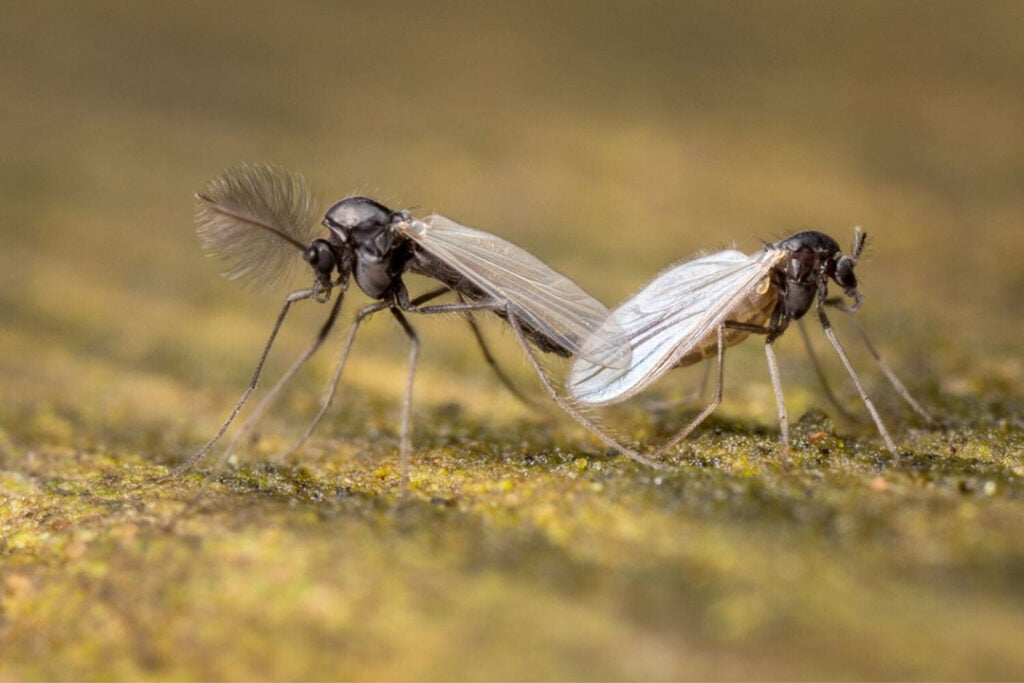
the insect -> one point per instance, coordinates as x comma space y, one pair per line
694, 310
261, 218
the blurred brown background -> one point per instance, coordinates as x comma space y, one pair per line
609, 139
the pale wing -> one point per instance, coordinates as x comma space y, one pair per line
669, 317
545, 300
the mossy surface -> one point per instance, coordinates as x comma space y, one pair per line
524, 552
521, 549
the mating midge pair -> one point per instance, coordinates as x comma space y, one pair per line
252, 214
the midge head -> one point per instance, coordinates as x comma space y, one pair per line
364, 231
812, 259
362, 239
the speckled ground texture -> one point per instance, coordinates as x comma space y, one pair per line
611, 140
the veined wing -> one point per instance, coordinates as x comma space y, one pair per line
544, 299
670, 317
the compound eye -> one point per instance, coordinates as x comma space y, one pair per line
844, 273
320, 256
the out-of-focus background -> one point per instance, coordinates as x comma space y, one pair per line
610, 139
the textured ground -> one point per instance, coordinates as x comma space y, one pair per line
610, 140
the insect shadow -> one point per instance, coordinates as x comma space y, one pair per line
694, 310
260, 217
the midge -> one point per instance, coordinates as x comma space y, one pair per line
695, 309
261, 218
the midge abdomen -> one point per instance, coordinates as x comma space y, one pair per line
753, 309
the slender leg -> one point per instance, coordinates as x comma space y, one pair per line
201, 453
780, 402
719, 381
405, 445
825, 385
552, 394
465, 307
715, 401
272, 395
502, 377
570, 409
827, 325
332, 386
886, 370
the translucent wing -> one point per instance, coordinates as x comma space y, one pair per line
674, 315
546, 300
250, 214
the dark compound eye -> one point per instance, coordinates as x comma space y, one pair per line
320, 255
844, 273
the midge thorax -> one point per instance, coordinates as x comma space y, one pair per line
810, 259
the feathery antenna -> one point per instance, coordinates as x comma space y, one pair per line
244, 214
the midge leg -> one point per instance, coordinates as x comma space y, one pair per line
570, 409
361, 316
886, 370
773, 369
827, 326
825, 385
332, 386
272, 395
780, 399
405, 443
719, 383
505, 380
552, 394
299, 295
412, 306
262, 407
